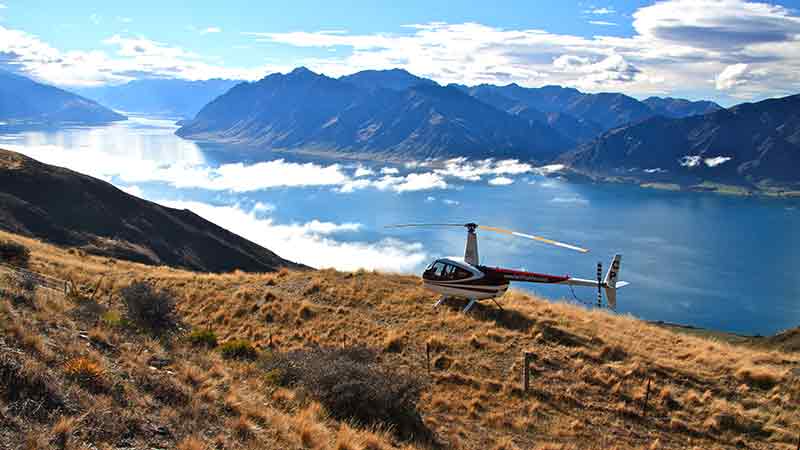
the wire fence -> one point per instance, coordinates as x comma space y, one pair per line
39, 279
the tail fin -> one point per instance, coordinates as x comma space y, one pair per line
613, 272
611, 284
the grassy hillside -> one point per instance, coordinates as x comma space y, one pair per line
76, 370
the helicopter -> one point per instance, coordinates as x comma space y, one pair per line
468, 279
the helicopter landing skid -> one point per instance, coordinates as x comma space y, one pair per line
440, 301
469, 305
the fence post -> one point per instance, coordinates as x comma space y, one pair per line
526, 371
428, 357
646, 399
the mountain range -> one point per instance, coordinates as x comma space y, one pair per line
756, 144
161, 97
381, 113
70, 209
393, 112
24, 101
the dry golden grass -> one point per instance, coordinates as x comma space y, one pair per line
588, 375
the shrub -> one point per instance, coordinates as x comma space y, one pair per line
87, 373
239, 349
203, 338
14, 253
148, 307
113, 319
28, 386
352, 386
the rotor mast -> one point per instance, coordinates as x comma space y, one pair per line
471, 251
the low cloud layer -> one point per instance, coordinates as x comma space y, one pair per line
313, 243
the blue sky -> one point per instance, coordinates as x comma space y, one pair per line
726, 50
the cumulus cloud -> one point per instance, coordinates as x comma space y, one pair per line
731, 76
362, 171
501, 181
450, 202
130, 58
677, 46
390, 171
467, 170
212, 30
313, 243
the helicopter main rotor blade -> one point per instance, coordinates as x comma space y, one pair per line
405, 225
535, 238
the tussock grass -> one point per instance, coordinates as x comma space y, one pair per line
588, 374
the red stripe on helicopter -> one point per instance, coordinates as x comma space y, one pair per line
519, 273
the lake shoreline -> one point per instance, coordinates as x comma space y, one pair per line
568, 173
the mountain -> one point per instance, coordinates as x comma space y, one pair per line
164, 97
678, 107
66, 208
749, 144
606, 110
396, 79
304, 110
23, 100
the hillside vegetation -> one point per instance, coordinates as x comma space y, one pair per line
69, 208
227, 362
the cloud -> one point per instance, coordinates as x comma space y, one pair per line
600, 11
134, 190
609, 70
362, 171
690, 161
449, 202
312, 243
2, 6
603, 23
731, 76
500, 181
212, 30
717, 24
130, 58
717, 160
420, 182
677, 46
390, 171
574, 200
467, 170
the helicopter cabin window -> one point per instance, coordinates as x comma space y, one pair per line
446, 272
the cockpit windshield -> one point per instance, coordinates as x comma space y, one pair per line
442, 271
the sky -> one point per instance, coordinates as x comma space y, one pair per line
728, 51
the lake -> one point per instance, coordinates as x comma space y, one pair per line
729, 263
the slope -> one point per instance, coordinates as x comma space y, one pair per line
68, 208
588, 384
752, 144
23, 100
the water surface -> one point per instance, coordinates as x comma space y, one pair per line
708, 260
